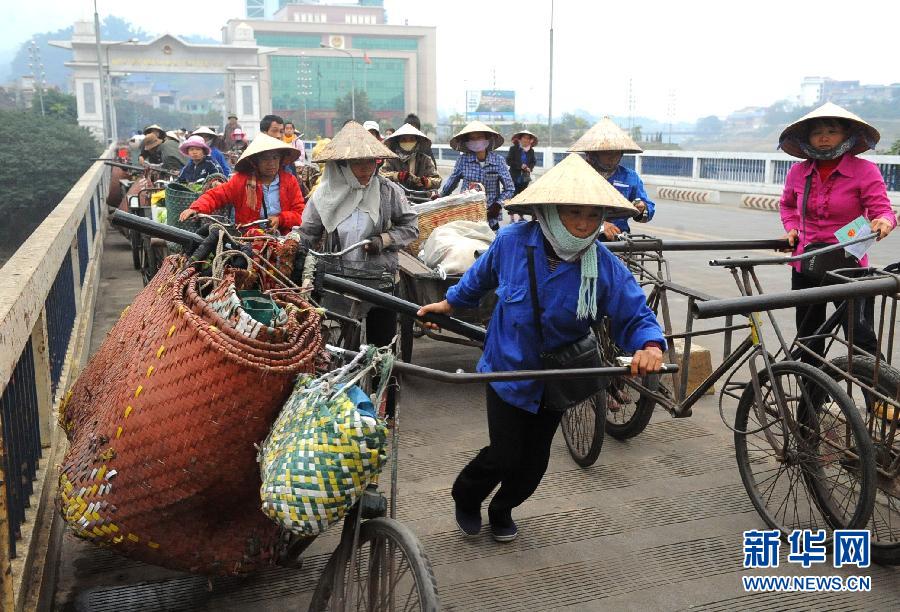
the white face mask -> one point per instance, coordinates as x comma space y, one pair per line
408, 146
476, 146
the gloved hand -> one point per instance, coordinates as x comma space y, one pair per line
375, 245
402, 176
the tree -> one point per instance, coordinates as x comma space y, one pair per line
344, 106
36, 180
56, 104
709, 126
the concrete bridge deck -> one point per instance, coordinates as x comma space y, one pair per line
655, 525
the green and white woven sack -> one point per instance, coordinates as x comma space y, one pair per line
319, 457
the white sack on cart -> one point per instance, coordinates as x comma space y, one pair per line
453, 199
453, 245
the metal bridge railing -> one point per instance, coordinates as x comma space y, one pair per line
47, 291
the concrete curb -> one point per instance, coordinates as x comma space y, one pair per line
688, 195
760, 202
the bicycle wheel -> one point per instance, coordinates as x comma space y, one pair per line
583, 427
814, 469
885, 521
627, 412
392, 572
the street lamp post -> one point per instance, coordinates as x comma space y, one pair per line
113, 120
37, 72
103, 111
352, 78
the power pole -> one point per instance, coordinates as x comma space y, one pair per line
550, 94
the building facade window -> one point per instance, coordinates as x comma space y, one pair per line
247, 100
90, 98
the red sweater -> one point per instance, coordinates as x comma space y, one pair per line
235, 192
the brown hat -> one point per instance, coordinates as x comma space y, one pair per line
262, 143
521, 133
573, 182
151, 141
353, 141
605, 136
799, 130
475, 126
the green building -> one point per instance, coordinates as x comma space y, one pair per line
317, 52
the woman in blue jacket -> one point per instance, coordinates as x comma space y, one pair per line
578, 281
604, 146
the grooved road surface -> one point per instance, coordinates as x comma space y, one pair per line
655, 525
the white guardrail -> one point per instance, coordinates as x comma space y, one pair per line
47, 292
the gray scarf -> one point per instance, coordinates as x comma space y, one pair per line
339, 194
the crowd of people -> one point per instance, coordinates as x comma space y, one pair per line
570, 280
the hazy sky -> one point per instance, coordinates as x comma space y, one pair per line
698, 57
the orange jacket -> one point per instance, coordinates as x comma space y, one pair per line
234, 192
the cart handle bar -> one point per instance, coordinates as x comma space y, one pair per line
460, 377
747, 262
644, 245
335, 283
799, 297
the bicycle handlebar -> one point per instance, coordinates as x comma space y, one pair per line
746, 262
799, 297
643, 245
460, 377
335, 283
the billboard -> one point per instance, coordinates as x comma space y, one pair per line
491, 105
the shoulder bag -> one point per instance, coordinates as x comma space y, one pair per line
559, 395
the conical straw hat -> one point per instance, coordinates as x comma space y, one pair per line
573, 182
264, 142
475, 126
353, 142
606, 136
525, 133
408, 130
799, 130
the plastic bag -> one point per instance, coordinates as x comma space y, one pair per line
453, 245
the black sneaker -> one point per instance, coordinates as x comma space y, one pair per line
468, 522
504, 532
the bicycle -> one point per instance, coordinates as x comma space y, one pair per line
790, 415
873, 383
378, 564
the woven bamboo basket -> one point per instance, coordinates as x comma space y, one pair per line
162, 426
467, 211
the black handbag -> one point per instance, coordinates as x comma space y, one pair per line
560, 395
816, 267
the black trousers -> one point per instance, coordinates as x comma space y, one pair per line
381, 327
811, 317
516, 459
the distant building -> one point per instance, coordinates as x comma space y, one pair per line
395, 65
749, 118
818, 90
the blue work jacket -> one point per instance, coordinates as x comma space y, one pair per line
512, 341
631, 186
219, 158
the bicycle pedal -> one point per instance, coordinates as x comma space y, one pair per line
373, 504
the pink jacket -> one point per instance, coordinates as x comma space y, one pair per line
854, 188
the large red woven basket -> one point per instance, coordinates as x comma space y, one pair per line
162, 425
